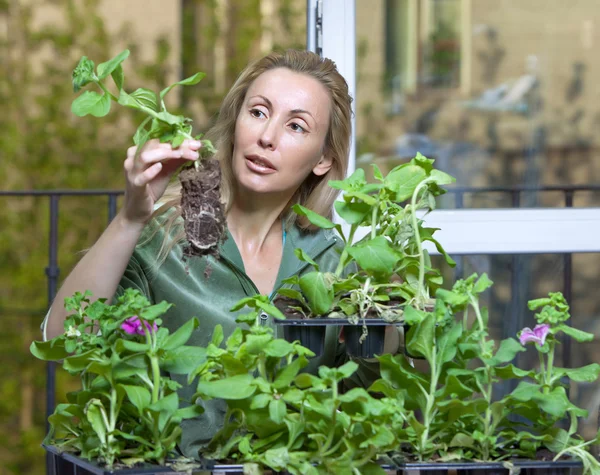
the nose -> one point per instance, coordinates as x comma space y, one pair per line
269, 135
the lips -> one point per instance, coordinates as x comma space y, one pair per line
260, 162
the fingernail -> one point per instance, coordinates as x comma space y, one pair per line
196, 143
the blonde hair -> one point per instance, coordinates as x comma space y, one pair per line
314, 193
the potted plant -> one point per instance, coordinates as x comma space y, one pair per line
450, 413
391, 268
126, 413
281, 418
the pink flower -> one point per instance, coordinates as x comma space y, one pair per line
133, 326
537, 335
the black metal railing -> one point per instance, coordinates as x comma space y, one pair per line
515, 192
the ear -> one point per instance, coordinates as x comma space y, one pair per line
323, 166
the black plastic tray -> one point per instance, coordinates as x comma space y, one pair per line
68, 464
310, 322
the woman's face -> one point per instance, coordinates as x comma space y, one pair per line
280, 133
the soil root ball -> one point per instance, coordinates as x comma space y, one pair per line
202, 210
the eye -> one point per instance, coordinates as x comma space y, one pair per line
297, 127
257, 113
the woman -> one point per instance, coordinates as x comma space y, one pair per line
282, 133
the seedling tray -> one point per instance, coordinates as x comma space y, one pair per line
311, 334
65, 463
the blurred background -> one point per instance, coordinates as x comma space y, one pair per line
502, 93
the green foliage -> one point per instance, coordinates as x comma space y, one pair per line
124, 403
449, 406
285, 419
159, 123
394, 246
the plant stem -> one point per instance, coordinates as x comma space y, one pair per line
106, 91
151, 340
549, 366
343, 258
374, 220
334, 398
428, 413
262, 368
487, 391
421, 291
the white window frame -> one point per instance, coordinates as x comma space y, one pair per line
462, 231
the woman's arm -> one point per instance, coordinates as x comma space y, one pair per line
102, 268
99, 271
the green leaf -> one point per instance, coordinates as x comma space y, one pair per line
287, 373
482, 284
447, 344
344, 371
236, 387
461, 440
183, 360
129, 345
404, 179
90, 102
255, 344
83, 74
278, 348
355, 181
585, 374
191, 81
293, 294
118, 77
303, 256
375, 255
146, 98
260, 401
106, 68
441, 178
181, 336
51, 350
189, 412
525, 391
313, 217
270, 309
154, 311
412, 316
421, 338
318, 292
506, 352
377, 172
353, 213
554, 403
217, 336
277, 410
139, 396
94, 416
574, 333
166, 408
512, 372
79, 362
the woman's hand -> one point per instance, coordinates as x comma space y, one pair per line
148, 175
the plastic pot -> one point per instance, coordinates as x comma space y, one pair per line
309, 336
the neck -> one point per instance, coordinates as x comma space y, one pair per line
253, 226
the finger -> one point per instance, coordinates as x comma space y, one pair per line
142, 179
149, 157
191, 144
128, 163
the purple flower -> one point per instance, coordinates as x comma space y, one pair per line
537, 335
133, 326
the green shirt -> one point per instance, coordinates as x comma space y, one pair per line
209, 294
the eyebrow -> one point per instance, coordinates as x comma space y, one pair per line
293, 111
